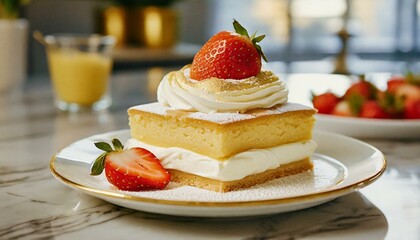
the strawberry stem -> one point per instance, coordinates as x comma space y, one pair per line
117, 144
255, 40
356, 101
411, 78
239, 28
104, 146
99, 163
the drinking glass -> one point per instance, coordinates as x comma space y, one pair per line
80, 67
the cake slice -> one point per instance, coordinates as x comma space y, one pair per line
226, 151
222, 123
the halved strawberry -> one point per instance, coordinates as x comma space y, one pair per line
229, 55
408, 91
372, 109
325, 103
342, 109
134, 169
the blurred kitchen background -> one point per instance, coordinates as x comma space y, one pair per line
343, 36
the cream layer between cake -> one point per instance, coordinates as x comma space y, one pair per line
236, 167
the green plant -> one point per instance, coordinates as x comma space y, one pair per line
10, 8
143, 3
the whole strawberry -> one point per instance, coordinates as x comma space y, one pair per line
325, 103
391, 104
394, 83
130, 170
362, 89
412, 109
229, 55
372, 109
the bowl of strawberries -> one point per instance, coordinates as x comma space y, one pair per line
366, 110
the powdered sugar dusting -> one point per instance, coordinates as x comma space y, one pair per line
154, 107
326, 175
223, 118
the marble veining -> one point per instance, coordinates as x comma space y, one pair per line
34, 205
63, 223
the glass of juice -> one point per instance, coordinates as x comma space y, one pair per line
80, 68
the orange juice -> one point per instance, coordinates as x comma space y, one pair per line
79, 77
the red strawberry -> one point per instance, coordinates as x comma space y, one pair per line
229, 55
390, 104
412, 109
372, 109
362, 88
342, 109
131, 170
325, 103
408, 91
394, 83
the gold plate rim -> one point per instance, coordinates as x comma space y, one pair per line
320, 196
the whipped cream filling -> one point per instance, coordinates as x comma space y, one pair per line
180, 92
236, 167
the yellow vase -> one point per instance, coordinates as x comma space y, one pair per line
115, 24
152, 27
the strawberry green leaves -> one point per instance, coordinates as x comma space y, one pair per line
117, 144
255, 40
99, 164
239, 28
104, 146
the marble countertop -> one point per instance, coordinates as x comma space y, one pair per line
34, 205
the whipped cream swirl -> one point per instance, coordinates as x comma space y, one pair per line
180, 92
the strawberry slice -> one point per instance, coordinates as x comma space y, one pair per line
229, 55
408, 91
342, 109
134, 169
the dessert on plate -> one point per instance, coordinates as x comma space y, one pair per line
222, 123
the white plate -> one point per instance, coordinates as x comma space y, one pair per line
342, 165
369, 128
302, 85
